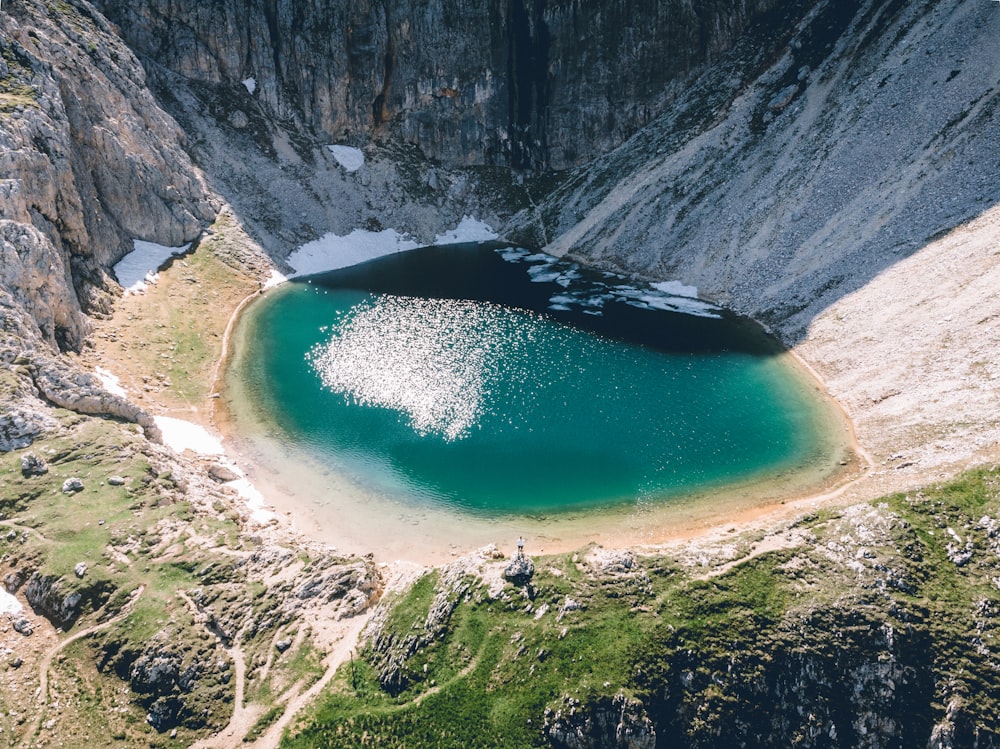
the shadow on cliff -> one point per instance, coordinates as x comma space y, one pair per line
795, 157
811, 158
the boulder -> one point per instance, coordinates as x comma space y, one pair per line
20, 427
23, 626
32, 465
222, 474
72, 485
519, 570
62, 602
164, 714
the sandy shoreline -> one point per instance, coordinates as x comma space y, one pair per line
328, 508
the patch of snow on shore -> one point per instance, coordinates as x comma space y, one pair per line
138, 268
275, 279
253, 498
348, 157
332, 251
182, 435
9, 604
469, 229
110, 383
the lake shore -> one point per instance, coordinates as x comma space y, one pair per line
834, 356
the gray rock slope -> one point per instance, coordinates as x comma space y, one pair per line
809, 159
88, 162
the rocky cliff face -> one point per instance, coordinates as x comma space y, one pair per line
813, 155
526, 83
88, 162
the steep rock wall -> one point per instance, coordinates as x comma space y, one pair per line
88, 161
526, 83
811, 157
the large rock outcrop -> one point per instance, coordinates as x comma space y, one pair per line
526, 83
88, 162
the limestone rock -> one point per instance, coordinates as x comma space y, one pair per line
154, 672
568, 604
13, 581
32, 465
23, 626
62, 602
606, 723
80, 569
90, 162
46, 593
520, 570
116, 481
20, 427
222, 473
164, 713
72, 485
75, 390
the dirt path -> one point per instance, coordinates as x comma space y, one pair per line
15, 524
46, 664
350, 632
246, 715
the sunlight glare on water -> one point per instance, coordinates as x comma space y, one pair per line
432, 359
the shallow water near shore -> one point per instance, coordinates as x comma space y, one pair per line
460, 393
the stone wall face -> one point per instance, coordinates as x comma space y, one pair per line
526, 83
88, 161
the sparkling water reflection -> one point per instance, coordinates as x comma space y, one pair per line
434, 360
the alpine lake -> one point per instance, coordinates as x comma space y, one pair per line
447, 397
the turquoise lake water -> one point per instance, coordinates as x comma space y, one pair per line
496, 381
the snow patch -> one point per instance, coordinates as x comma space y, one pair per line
332, 251
110, 383
9, 604
180, 435
350, 158
251, 85
253, 498
469, 229
138, 268
275, 279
